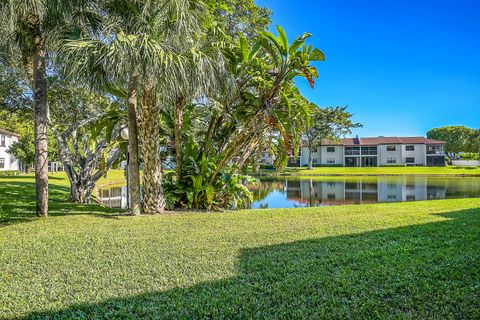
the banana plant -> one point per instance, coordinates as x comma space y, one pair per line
291, 60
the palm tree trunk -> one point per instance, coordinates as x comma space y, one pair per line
40, 123
177, 127
133, 164
154, 201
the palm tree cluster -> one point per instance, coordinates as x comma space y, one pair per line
194, 85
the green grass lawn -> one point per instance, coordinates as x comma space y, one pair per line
407, 260
475, 171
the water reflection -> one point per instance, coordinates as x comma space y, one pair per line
290, 193
329, 191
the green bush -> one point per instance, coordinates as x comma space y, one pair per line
469, 156
10, 173
267, 167
316, 165
394, 165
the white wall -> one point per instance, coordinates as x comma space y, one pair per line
322, 156
383, 154
466, 163
419, 153
11, 163
337, 155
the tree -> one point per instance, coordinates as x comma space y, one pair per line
88, 148
327, 124
143, 49
222, 130
240, 17
458, 138
28, 27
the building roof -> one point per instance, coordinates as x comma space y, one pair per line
9, 133
373, 141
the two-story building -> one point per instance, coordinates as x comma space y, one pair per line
378, 151
7, 161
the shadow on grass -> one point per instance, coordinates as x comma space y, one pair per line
419, 271
17, 203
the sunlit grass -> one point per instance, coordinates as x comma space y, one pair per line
404, 260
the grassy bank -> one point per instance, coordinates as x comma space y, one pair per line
439, 171
405, 260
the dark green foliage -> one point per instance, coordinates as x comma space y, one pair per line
197, 190
458, 138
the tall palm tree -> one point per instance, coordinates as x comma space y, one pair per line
144, 44
28, 28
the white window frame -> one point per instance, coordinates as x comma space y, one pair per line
331, 161
391, 160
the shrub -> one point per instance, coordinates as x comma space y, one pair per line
10, 173
267, 167
469, 156
316, 165
394, 165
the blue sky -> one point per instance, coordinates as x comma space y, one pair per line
402, 67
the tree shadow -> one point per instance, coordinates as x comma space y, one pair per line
17, 203
419, 271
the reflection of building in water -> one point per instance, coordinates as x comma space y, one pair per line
367, 190
115, 197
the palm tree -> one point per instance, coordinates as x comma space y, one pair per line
142, 48
28, 28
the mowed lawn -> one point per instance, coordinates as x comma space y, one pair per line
475, 171
408, 260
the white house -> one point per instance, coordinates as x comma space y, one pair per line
7, 161
378, 151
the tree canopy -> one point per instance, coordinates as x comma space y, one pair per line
458, 138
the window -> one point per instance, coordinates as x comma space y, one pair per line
410, 160
331, 196
2, 163
409, 148
331, 161
391, 148
330, 149
369, 151
352, 151
2, 140
435, 150
391, 160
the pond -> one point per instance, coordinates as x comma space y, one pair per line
330, 191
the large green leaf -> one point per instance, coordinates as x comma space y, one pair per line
316, 55
244, 48
298, 42
283, 40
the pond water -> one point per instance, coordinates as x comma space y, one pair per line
329, 191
